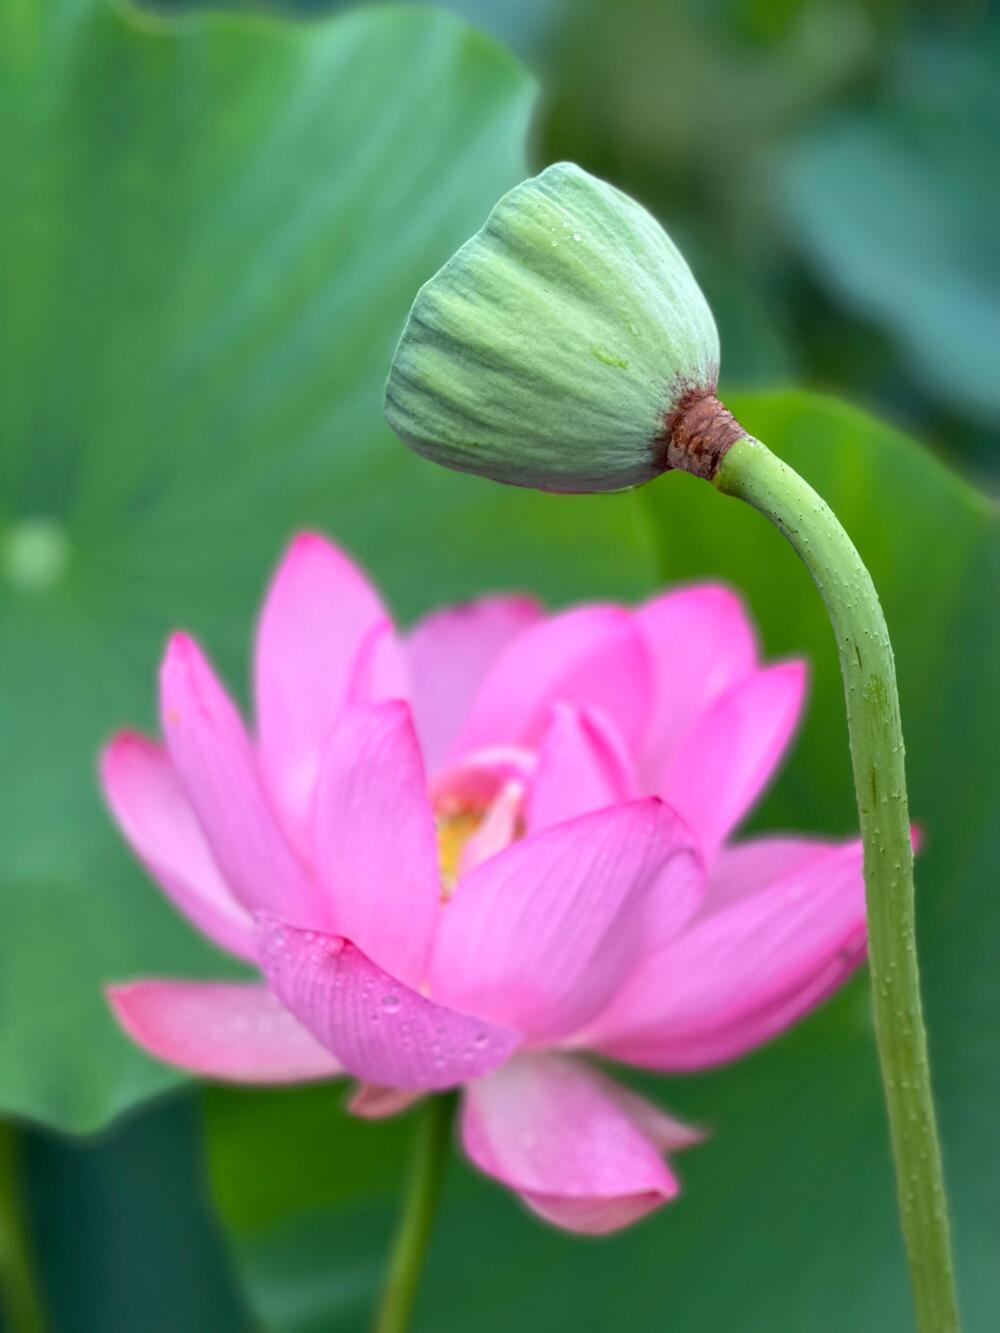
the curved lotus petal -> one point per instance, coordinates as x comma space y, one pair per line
153, 813
376, 850
448, 654
593, 656
754, 865
379, 670
477, 778
540, 937
211, 755
578, 1152
752, 962
581, 767
239, 1033
726, 759
665, 1131
318, 611
701, 643
370, 1101
381, 1031
497, 831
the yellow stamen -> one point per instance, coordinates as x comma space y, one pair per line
454, 829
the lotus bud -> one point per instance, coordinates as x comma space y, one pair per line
566, 346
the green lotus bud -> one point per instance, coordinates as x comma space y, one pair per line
565, 346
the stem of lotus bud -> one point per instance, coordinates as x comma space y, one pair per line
750, 472
423, 1189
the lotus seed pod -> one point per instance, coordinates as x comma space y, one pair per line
566, 346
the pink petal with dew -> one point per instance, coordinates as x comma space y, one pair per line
540, 937
449, 653
582, 766
212, 757
318, 612
554, 1131
750, 964
381, 1031
239, 1033
375, 844
370, 1101
701, 643
153, 813
593, 656
727, 758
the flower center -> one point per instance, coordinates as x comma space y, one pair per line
470, 831
455, 826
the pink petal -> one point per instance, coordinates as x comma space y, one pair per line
211, 756
236, 1032
375, 844
498, 829
318, 612
593, 657
370, 1101
382, 1031
477, 778
540, 937
664, 1131
729, 1042
749, 965
581, 767
724, 762
752, 866
153, 813
379, 670
449, 653
702, 644
550, 1128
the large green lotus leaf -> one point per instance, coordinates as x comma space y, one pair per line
124, 1238
216, 229
788, 1217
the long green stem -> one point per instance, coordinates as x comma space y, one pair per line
19, 1299
752, 473
417, 1216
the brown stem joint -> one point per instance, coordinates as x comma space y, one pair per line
696, 434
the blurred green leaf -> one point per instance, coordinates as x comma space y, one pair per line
215, 234
898, 207
311, 1233
520, 26
124, 1237
788, 1219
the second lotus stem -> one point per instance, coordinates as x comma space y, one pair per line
423, 1189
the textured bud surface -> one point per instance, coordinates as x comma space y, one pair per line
555, 348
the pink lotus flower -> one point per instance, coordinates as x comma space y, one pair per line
466, 856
